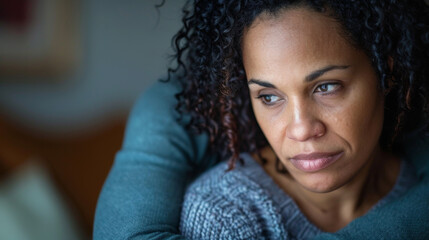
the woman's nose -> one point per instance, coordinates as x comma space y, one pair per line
304, 124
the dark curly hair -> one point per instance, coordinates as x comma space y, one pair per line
394, 34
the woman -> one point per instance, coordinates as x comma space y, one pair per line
387, 65
319, 96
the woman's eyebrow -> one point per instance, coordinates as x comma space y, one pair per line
314, 75
261, 83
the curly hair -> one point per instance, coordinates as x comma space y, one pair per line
394, 35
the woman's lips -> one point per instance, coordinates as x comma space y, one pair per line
314, 162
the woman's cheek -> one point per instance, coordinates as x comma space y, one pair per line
273, 128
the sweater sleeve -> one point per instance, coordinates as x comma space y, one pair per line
142, 196
404, 218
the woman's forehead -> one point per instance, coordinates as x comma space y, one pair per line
296, 38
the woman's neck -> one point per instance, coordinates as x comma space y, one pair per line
334, 210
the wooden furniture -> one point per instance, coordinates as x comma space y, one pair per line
78, 164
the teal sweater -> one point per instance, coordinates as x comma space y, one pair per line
143, 194
246, 203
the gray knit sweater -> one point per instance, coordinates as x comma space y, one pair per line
245, 203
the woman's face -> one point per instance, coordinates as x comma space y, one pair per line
314, 96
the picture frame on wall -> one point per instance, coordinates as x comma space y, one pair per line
38, 37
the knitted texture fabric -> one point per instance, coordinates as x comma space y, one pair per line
245, 203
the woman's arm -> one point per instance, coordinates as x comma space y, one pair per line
142, 196
405, 218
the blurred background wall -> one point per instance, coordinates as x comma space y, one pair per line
71, 119
124, 47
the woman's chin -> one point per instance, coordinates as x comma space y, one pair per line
319, 184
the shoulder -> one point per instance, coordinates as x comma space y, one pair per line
229, 205
242, 184
210, 210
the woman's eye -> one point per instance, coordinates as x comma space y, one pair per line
327, 88
268, 99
